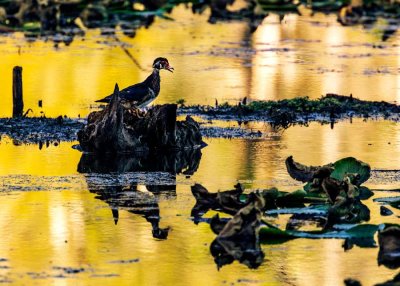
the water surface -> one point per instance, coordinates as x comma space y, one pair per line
300, 56
56, 224
53, 220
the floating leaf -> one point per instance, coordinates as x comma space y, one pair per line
365, 193
361, 171
332, 188
31, 26
385, 211
280, 6
389, 245
306, 173
316, 210
217, 224
270, 233
227, 201
238, 238
348, 211
306, 222
392, 201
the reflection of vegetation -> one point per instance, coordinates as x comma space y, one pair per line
69, 17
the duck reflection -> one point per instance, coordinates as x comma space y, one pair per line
135, 182
136, 201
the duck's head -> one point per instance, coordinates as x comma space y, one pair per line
162, 63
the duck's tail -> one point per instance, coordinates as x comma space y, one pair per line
105, 99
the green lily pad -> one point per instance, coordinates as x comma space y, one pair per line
271, 234
348, 211
311, 210
31, 26
365, 193
392, 201
351, 165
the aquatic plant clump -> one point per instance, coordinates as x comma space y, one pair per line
330, 203
40, 130
286, 112
280, 114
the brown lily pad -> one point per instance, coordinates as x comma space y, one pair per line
238, 238
305, 173
389, 246
227, 201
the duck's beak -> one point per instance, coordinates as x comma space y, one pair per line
169, 68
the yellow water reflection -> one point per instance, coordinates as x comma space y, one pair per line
71, 228
301, 56
44, 230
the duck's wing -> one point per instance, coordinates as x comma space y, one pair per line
136, 92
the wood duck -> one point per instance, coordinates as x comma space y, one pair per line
141, 94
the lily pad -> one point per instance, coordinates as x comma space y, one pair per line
315, 210
392, 201
348, 211
365, 193
269, 233
238, 238
305, 173
227, 201
389, 245
351, 165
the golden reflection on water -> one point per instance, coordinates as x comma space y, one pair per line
298, 57
302, 56
71, 228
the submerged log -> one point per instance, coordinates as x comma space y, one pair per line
118, 129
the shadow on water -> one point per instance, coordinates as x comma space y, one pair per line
177, 162
128, 194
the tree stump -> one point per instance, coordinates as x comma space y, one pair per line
121, 129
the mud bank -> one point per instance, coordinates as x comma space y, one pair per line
300, 110
279, 114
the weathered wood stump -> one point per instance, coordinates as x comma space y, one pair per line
119, 129
18, 102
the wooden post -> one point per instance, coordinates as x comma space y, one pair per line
18, 102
